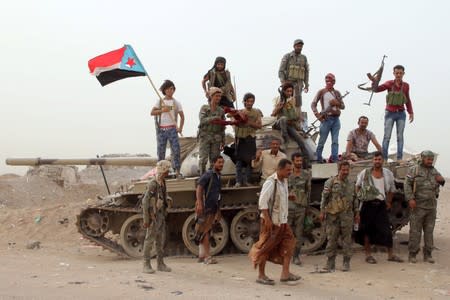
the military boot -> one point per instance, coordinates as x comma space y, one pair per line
162, 266
412, 258
331, 264
147, 267
427, 257
346, 264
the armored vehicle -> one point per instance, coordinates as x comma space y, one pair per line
115, 221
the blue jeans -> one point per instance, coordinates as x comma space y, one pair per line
399, 118
171, 135
333, 125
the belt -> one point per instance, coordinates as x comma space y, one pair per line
375, 202
167, 128
396, 110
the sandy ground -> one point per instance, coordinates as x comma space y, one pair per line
68, 267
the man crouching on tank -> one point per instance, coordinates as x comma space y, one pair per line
207, 208
154, 206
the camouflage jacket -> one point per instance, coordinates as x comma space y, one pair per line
338, 196
301, 187
426, 186
206, 115
154, 200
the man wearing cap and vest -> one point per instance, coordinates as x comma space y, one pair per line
220, 77
154, 205
294, 68
331, 103
421, 190
211, 130
396, 100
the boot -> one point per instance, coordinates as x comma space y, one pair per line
147, 267
331, 264
162, 266
346, 264
412, 258
427, 257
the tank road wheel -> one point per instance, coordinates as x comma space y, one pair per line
244, 229
314, 235
94, 222
132, 236
217, 239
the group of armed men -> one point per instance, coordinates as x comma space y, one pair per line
286, 184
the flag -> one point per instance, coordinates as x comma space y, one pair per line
115, 65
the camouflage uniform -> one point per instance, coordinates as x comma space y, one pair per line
340, 205
422, 217
295, 68
154, 206
211, 136
301, 187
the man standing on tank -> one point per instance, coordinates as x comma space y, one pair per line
246, 140
397, 99
154, 206
166, 112
218, 76
294, 68
211, 129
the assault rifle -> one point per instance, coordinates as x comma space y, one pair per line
323, 115
375, 78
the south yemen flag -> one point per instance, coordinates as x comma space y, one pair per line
115, 65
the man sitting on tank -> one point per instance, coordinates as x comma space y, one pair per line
287, 117
358, 141
267, 160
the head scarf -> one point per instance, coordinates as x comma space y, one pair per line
330, 80
427, 153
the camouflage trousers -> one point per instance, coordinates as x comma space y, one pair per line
296, 220
339, 225
208, 148
155, 235
421, 219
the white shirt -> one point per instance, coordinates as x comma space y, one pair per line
388, 184
268, 162
169, 118
281, 203
327, 97
379, 184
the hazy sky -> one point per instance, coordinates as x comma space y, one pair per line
52, 107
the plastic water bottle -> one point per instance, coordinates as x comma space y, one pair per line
356, 227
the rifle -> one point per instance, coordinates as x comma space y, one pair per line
375, 78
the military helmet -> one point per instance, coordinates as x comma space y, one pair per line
213, 90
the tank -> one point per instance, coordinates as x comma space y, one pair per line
115, 221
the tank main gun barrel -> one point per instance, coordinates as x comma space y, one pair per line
113, 161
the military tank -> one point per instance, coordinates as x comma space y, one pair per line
115, 221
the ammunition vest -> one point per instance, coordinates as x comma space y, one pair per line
296, 67
338, 201
212, 128
221, 81
368, 191
396, 98
244, 130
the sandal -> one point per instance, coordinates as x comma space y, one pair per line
371, 260
209, 260
265, 281
291, 277
201, 260
395, 258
